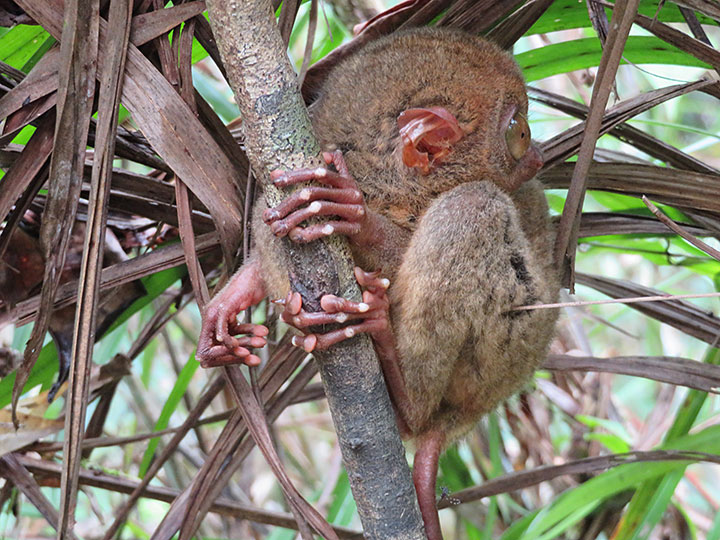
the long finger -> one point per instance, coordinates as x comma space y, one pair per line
321, 230
309, 194
229, 360
322, 175
352, 213
371, 280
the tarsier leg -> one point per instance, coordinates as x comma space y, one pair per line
425, 469
374, 317
466, 266
217, 345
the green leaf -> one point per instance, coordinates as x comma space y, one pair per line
155, 285
453, 473
574, 504
19, 46
171, 404
584, 53
43, 373
613, 427
650, 500
567, 14
342, 508
613, 443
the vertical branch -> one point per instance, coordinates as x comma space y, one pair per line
278, 135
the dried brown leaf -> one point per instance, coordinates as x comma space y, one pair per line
158, 111
605, 223
514, 27
667, 369
706, 7
566, 240
684, 189
119, 484
477, 16
629, 134
15, 472
191, 419
41, 81
233, 442
27, 166
381, 25
112, 276
288, 14
83, 337
148, 26
78, 55
33, 428
523, 479
682, 41
566, 144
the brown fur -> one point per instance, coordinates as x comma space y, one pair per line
458, 249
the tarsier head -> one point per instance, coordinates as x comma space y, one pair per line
450, 108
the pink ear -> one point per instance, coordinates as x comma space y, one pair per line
427, 136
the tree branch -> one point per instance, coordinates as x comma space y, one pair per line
278, 135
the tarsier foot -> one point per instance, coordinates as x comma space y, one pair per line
340, 198
232, 345
223, 340
372, 313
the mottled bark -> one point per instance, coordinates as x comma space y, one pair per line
278, 135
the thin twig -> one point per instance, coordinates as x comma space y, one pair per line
307, 55
629, 300
670, 224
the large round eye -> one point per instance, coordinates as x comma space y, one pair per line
517, 136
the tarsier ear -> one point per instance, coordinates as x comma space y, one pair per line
427, 136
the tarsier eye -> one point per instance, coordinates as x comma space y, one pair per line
517, 136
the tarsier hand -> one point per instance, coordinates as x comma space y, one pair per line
339, 196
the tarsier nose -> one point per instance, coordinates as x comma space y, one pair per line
536, 158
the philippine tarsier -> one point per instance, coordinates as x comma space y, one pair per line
447, 227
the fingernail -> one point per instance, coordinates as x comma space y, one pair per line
309, 343
385, 282
327, 230
349, 332
305, 194
314, 207
363, 307
321, 172
341, 317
